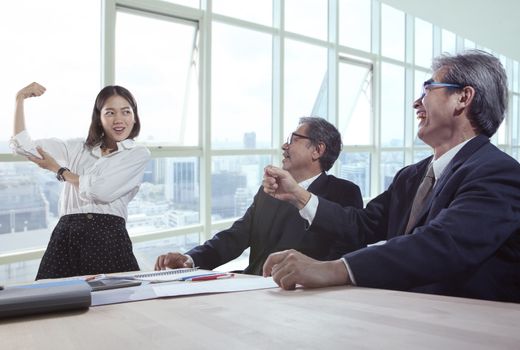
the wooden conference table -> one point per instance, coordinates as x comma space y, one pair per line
329, 318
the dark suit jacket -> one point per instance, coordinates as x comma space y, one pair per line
270, 225
467, 242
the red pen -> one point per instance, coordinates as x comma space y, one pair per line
211, 277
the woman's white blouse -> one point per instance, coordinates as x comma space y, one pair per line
106, 183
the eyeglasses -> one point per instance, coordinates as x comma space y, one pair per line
429, 85
290, 138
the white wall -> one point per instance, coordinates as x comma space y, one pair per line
494, 24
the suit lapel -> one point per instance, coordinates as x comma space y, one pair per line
272, 213
459, 159
279, 209
469, 149
269, 206
319, 185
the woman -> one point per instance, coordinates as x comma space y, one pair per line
101, 175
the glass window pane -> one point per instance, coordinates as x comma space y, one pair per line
259, 11
354, 24
423, 43
501, 133
515, 124
503, 59
355, 167
392, 105
305, 83
19, 272
468, 44
516, 76
241, 88
234, 182
307, 17
35, 47
391, 163
421, 154
355, 103
449, 42
392, 32
169, 196
28, 206
162, 74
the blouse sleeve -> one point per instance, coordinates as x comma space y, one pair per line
120, 174
22, 143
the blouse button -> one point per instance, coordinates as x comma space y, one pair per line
90, 216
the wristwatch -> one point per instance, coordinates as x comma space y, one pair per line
59, 174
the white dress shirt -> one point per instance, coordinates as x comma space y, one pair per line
106, 183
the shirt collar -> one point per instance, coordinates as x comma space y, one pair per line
306, 183
441, 163
125, 144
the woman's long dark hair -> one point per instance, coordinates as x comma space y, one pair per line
95, 132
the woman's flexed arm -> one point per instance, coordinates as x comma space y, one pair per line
31, 90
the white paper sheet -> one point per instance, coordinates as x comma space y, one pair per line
171, 289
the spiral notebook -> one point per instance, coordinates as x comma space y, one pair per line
155, 276
167, 275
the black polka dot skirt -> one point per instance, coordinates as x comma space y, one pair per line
87, 244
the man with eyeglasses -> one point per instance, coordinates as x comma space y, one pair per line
270, 225
451, 222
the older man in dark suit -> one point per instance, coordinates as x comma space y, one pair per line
451, 221
270, 225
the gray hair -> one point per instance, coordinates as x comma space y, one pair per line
320, 130
487, 76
